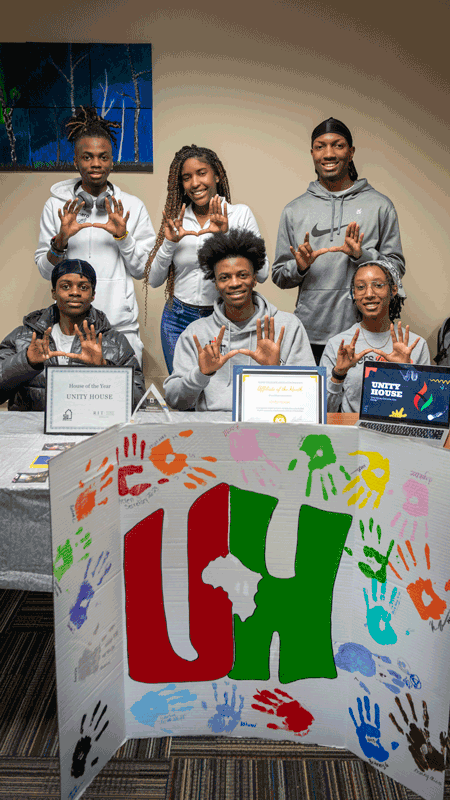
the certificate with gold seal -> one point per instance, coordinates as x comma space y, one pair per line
279, 394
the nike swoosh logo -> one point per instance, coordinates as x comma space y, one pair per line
318, 232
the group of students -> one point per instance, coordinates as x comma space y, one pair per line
339, 243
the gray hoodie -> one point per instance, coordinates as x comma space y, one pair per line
187, 386
346, 396
323, 302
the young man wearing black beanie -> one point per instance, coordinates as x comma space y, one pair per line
71, 331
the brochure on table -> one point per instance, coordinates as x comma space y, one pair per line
85, 400
253, 580
279, 394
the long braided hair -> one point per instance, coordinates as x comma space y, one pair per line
175, 199
86, 122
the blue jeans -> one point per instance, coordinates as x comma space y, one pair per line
174, 321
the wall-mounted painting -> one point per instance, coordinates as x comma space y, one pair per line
42, 85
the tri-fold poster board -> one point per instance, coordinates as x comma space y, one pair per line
286, 582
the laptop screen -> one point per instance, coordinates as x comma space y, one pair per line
408, 393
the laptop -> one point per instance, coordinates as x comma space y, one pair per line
409, 400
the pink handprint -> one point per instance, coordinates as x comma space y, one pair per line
244, 447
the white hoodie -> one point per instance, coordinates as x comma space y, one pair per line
188, 385
115, 262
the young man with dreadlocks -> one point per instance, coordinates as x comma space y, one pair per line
91, 219
342, 222
198, 203
378, 298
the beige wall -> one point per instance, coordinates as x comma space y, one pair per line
252, 83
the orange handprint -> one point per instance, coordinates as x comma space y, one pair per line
435, 608
86, 500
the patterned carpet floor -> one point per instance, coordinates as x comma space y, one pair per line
179, 768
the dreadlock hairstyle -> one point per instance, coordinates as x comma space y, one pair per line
175, 199
86, 122
396, 302
236, 243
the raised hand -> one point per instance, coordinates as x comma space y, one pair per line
91, 346
401, 349
173, 228
69, 225
352, 244
38, 351
218, 220
267, 349
117, 222
305, 255
346, 356
210, 358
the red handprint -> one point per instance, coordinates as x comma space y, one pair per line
131, 469
295, 717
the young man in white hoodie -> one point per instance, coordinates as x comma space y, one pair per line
325, 234
243, 328
91, 219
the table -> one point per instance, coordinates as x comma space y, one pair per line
25, 533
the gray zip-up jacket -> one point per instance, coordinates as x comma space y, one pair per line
187, 386
24, 387
324, 304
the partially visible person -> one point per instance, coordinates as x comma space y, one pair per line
70, 331
325, 234
377, 303
92, 219
198, 203
244, 328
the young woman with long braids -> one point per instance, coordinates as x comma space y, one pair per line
91, 219
198, 203
375, 293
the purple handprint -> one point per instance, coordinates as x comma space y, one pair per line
78, 612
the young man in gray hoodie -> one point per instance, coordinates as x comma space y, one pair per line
325, 234
243, 328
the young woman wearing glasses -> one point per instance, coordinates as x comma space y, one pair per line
375, 293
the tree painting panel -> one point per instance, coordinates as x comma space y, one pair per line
42, 84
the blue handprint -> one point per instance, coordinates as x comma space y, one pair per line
379, 617
156, 704
397, 682
355, 658
226, 717
368, 734
78, 612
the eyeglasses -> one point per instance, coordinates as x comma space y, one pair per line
377, 286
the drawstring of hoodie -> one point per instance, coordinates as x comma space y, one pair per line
229, 348
341, 214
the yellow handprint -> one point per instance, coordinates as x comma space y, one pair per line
374, 482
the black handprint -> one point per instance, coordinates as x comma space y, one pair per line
84, 744
424, 754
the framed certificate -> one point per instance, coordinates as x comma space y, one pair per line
86, 400
279, 394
